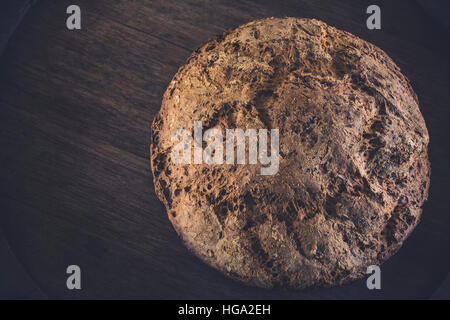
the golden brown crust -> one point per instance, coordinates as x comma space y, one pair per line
354, 170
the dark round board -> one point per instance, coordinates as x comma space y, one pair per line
75, 114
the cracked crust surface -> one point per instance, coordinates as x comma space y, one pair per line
353, 172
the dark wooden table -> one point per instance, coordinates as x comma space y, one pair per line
75, 115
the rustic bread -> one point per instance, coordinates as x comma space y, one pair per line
353, 165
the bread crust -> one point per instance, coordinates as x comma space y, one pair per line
353, 172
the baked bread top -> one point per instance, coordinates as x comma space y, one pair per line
353, 169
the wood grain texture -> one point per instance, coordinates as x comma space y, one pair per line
75, 115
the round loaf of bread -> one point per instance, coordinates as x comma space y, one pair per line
352, 172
